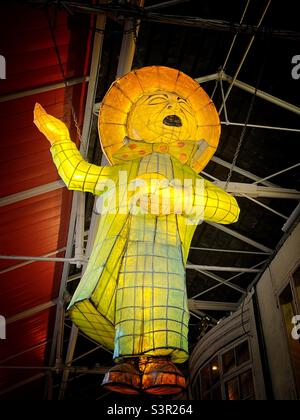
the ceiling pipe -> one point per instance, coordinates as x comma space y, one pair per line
244, 57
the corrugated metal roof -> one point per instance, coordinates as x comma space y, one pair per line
38, 225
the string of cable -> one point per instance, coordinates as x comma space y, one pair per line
244, 131
62, 70
121, 12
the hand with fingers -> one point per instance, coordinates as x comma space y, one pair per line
52, 128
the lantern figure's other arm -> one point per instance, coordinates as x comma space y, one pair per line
76, 173
219, 206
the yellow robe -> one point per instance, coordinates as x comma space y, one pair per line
132, 297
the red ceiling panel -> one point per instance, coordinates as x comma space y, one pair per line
28, 46
25, 157
38, 225
27, 339
33, 391
29, 286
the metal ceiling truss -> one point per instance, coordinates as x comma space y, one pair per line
225, 282
43, 89
212, 306
79, 213
121, 12
23, 383
219, 280
16, 266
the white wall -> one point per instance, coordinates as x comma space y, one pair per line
274, 280
228, 333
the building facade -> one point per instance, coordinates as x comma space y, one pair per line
254, 354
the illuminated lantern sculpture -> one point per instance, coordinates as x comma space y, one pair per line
158, 129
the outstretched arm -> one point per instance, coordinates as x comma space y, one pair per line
219, 206
76, 173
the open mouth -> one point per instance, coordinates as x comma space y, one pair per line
172, 121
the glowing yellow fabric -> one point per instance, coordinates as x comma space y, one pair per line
132, 297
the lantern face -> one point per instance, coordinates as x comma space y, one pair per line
158, 105
162, 117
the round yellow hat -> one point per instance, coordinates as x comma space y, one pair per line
162, 108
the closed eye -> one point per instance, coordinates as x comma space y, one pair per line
182, 101
158, 100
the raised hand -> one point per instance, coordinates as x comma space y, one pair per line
52, 128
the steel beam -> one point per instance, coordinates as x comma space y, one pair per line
236, 35
69, 358
56, 348
74, 369
33, 192
165, 4
239, 189
16, 266
208, 78
261, 94
42, 259
204, 305
30, 312
292, 219
202, 315
265, 206
231, 251
79, 230
128, 47
240, 171
86, 131
14, 356
241, 237
225, 282
23, 383
244, 56
277, 173
223, 269
219, 280
262, 127
86, 337
43, 89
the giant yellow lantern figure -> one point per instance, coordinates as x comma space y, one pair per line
155, 124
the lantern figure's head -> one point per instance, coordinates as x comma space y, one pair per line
162, 117
159, 105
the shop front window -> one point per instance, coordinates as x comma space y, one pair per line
228, 376
290, 307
